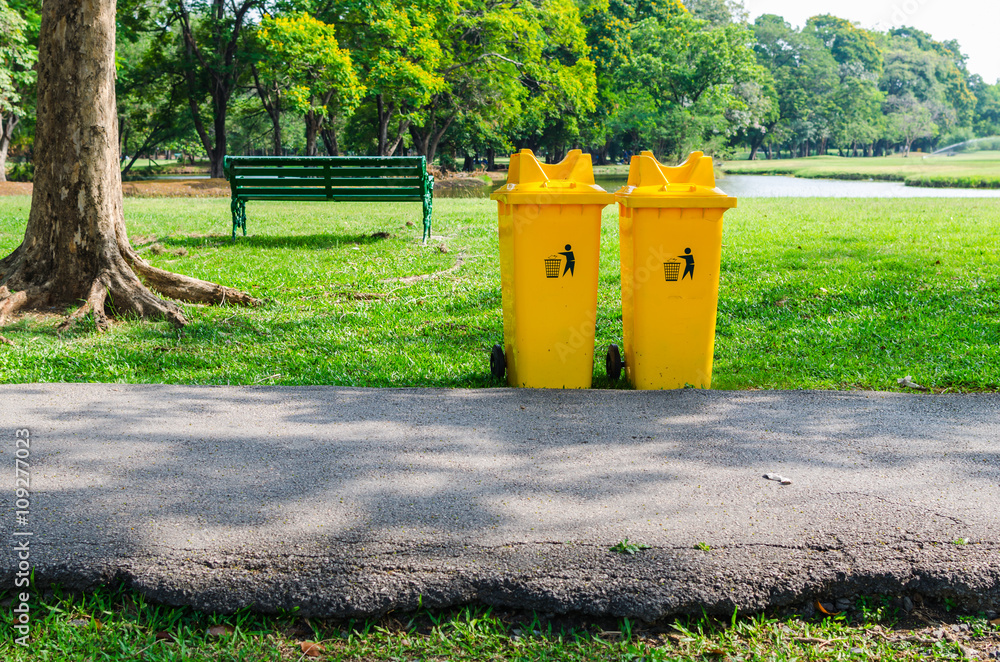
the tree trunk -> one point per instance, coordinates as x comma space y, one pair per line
75, 247
313, 120
330, 141
400, 132
491, 155
6, 135
384, 115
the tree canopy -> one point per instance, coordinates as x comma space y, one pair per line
468, 79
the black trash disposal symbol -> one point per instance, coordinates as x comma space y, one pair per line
553, 262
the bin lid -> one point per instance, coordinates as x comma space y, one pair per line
569, 182
691, 184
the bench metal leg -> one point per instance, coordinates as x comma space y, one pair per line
239, 209
428, 207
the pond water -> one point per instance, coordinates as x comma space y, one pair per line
776, 186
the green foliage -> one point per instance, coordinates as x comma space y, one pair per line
953, 181
395, 48
683, 81
612, 76
150, 96
17, 58
316, 74
21, 172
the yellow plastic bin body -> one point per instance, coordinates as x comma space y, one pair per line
670, 222
550, 241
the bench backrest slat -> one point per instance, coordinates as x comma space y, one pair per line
340, 191
317, 182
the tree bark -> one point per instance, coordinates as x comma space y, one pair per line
6, 135
313, 121
330, 141
384, 114
75, 247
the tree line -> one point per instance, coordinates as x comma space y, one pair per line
467, 80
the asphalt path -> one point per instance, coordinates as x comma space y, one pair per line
357, 502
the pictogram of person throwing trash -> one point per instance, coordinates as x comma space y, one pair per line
689, 261
571, 260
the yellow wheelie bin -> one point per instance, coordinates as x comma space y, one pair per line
670, 221
550, 241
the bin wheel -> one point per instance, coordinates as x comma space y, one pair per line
613, 362
498, 362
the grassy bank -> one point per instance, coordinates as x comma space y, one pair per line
971, 170
815, 293
116, 625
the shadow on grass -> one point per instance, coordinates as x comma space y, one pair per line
314, 241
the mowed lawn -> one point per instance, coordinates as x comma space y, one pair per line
815, 293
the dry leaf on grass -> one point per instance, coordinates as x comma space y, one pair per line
995, 621
311, 648
219, 630
165, 636
907, 382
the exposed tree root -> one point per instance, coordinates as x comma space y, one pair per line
10, 303
118, 291
406, 280
185, 288
94, 304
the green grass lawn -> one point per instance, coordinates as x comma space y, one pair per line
815, 293
971, 170
117, 625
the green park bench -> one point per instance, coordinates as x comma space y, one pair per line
322, 178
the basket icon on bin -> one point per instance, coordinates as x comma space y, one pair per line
671, 270
552, 264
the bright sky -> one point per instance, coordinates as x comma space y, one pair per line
974, 23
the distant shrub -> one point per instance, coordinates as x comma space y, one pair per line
21, 172
954, 181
